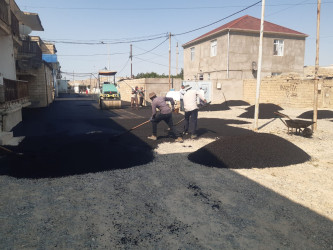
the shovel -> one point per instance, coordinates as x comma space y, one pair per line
137, 126
10, 152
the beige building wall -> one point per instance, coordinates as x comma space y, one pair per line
235, 61
298, 93
7, 60
41, 90
158, 85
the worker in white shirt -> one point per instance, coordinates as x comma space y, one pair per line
182, 92
191, 110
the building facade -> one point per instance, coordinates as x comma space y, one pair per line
231, 51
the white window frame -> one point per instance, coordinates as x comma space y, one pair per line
213, 48
192, 53
278, 49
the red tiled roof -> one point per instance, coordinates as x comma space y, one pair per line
249, 23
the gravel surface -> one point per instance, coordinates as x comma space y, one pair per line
167, 202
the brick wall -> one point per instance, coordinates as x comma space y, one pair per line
158, 85
298, 93
40, 85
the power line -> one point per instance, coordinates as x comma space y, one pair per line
120, 53
109, 40
152, 48
154, 63
105, 42
124, 66
235, 13
293, 5
159, 8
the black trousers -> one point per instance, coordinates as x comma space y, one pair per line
191, 121
167, 118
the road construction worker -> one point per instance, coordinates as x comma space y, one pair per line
191, 110
165, 115
182, 93
134, 97
141, 96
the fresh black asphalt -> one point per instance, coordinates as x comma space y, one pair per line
73, 136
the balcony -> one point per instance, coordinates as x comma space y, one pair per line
13, 91
14, 25
4, 12
29, 55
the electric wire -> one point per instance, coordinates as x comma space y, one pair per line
152, 48
205, 26
165, 8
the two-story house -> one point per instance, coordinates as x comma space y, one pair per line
231, 52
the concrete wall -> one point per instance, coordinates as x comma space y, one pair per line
40, 84
236, 63
11, 118
7, 60
62, 86
296, 93
158, 85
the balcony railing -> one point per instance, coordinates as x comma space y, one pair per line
15, 25
30, 49
29, 55
4, 11
15, 90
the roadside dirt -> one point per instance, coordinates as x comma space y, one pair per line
171, 202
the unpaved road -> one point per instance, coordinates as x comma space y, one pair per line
169, 203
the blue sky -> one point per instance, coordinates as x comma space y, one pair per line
79, 27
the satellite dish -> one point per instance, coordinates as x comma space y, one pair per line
24, 29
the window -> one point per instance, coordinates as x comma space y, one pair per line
213, 48
278, 47
201, 77
192, 53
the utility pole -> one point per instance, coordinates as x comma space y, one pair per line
256, 110
177, 59
316, 80
131, 56
169, 59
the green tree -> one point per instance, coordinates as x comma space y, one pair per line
156, 75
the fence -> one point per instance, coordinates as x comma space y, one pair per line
15, 90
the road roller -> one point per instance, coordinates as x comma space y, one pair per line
110, 96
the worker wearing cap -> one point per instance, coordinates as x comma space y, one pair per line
191, 110
165, 114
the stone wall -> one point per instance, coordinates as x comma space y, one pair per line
298, 93
158, 85
41, 88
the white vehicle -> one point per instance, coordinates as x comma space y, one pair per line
175, 95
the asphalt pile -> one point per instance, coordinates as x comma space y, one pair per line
321, 114
266, 111
249, 151
223, 106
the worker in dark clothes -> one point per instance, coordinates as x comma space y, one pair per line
164, 115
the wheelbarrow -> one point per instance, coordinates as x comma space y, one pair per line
301, 126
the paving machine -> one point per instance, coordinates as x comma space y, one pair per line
110, 96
